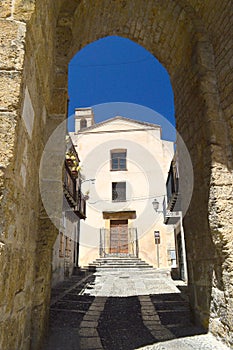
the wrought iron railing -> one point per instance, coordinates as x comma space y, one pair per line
70, 183
172, 186
105, 244
81, 205
73, 194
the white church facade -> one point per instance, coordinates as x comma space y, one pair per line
125, 164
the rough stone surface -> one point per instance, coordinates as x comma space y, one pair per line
6, 8
193, 40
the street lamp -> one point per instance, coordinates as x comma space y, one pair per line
87, 180
92, 181
155, 204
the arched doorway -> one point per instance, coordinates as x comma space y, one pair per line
175, 33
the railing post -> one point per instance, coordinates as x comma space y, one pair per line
101, 243
136, 242
133, 242
104, 246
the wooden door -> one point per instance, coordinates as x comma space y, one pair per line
119, 236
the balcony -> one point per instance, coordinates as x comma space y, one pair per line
172, 186
172, 211
73, 194
80, 209
171, 217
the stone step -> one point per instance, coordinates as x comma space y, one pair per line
118, 259
119, 266
118, 263
111, 263
103, 260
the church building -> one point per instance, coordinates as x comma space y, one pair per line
124, 165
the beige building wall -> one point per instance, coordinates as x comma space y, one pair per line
148, 161
65, 249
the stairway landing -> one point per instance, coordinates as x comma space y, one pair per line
119, 263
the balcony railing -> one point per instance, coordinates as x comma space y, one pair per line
70, 185
73, 195
172, 186
129, 248
80, 208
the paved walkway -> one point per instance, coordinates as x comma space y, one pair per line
119, 309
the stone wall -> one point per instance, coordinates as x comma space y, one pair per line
27, 234
192, 40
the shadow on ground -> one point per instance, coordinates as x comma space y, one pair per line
124, 323
68, 307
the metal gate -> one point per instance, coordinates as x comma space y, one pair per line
118, 241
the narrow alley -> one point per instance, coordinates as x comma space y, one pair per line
124, 309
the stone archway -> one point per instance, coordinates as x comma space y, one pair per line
190, 40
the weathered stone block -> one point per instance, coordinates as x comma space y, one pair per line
58, 102
9, 330
23, 9
4, 275
9, 81
19, 301
5, 8
12, 45
8, 123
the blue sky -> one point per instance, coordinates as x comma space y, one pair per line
119, 77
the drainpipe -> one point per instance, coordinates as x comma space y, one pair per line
78, 237
183, 248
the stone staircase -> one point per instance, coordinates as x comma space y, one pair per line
118, 263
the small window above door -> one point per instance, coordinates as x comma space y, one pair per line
118, 191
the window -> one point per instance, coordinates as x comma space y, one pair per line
83, 123
118, 159
119, 191
61, 245
68, 247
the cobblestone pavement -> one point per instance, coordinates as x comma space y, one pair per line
119, 309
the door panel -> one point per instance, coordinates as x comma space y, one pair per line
119, 236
